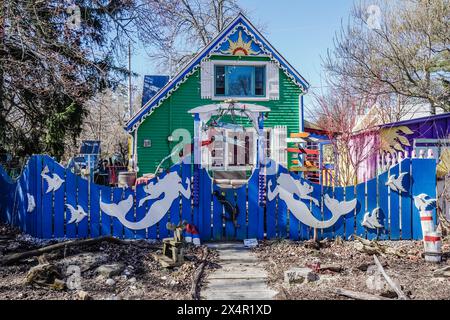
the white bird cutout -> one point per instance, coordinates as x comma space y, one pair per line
31, 203
371, 221
423, 202
396, 184
53, 180
76, 215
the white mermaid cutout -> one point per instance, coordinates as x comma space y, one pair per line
288, 186
170, 185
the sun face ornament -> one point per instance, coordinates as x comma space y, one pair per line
239, 47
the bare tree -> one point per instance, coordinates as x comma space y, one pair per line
403, 50
174, 30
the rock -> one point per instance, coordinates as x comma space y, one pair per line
85, 261
83, 295
110, 270
299, 275
376, 282
110, 282
443, 272
132, 280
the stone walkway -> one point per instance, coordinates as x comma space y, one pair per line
241, 275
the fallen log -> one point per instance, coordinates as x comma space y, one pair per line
443, 272
14, 257
391, 283
195, 293
374, 248
358, 295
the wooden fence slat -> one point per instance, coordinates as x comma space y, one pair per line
47, 200
94, 211
394, 213
371, 205
206, 187
217, 216
253, 204
339, 230
230, 230
328, 232
316, 210
152, 232
116, 224
350, 217
360, 209
424, 177
141, 211
83, 198
71, 199
58, 203
106, 219
130, 216
161, 225
406, 203
282, 212
186, 173
36, 219
241, 201
271, 209
383, 203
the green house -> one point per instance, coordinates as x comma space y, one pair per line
238, 65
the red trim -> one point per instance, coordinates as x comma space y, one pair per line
430, 218
432, 238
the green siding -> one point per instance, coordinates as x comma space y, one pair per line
172, 114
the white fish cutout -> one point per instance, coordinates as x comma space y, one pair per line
53, 180
423, 202
76, 215
170, 186
396, 184
288, 186
31, 203
370, 220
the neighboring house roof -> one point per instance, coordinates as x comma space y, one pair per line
152, 85
240, 22
416, 120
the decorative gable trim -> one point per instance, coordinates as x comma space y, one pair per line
203, 56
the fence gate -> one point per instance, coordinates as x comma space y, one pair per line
49, 201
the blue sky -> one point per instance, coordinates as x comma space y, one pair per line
301, 30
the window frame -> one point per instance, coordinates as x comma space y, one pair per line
225, 63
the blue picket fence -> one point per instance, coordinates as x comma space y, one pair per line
49, 201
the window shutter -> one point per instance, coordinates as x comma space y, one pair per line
279, 145
273, 81
207, 79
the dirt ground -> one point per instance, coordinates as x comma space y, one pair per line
414, 275
141, 276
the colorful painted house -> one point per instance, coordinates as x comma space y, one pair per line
239, 65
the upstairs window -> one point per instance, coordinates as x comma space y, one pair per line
240, 81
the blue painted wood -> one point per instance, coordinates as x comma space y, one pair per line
406, 202
130, 216
423, 181
36, 224
47, 201
372, 204
116, 224
141, 211
350, 217
241, 200
253, 212
83, 201
316, 210
71, 198
206, 196
58, 203
32, 180
327, 233
339, 229
394, 206
271, 208
383, 194
94, 212
186, 174
360, 209
218, 231
152, 232
106, 197
230, 230
282, 214
294, 224
162, 224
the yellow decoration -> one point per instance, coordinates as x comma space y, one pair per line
443, 167
393, 139
240, 48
